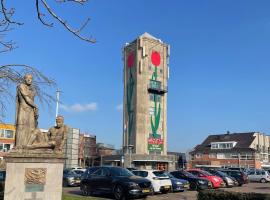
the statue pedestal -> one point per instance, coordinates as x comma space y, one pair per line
33, 175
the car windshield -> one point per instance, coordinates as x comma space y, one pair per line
206, 173
188, 174
140, 173
78, 171
71, 173
159, 173
121, 172
236, 173
221, 173
168, 174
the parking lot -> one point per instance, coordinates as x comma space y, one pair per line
187, 195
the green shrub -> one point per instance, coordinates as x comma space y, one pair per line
225, 195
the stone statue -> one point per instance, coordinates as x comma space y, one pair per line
58, 134
26, 112
54, 140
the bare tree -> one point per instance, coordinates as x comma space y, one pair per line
12, 74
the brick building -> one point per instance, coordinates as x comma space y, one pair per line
87, 150
251, 150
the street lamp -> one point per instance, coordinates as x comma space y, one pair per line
130, 147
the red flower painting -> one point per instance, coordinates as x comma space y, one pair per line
155, 58
130, 60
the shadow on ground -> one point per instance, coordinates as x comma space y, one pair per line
106, 196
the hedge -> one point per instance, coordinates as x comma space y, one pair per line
225, 195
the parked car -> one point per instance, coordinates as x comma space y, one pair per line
240, 176
78, 168
79, 172
215, 180
2, 183
195, 183
160, 182
89, 171
116, 180
259, 176
178, 185
71, 178
228, 180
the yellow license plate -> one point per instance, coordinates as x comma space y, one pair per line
167, 187
146, 191
186, 186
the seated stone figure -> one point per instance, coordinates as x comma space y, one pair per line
55, 139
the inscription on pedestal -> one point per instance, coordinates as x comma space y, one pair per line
35, 179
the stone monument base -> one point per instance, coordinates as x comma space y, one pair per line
33, 175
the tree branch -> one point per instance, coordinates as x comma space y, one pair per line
40, 15
66, 25
8, 14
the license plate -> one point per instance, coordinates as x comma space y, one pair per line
146, 191
186, 186
167, 187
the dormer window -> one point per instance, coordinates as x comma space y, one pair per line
223, 145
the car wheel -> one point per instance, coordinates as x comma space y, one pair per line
84, 190
165, 191
119, 192
193, 186
263, 180
144, 197
152, 192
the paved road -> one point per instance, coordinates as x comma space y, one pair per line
187, 195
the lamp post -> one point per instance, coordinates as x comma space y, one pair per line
130, 147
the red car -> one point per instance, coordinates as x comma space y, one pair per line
215, 180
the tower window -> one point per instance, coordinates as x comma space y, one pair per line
152, 97
161, 71
149, 67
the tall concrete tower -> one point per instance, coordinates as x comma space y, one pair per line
145, 96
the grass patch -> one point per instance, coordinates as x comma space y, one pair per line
72, 197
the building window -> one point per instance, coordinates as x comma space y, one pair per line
161, 71
222, 145
9, 133
151, 110
152, 97
198, 155
6, 147
234, 156
155, 84
149, 68
220, 156
212, 155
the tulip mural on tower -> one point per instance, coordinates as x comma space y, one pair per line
155, 143
130, 90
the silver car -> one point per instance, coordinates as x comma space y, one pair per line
259, 176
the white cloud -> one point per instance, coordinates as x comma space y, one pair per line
119, 107
77, 107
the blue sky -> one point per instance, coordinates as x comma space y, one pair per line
219, 64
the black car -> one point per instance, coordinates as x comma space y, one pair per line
195, 183
116, 180
2, 183
71, 178
240, 176
228, 180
